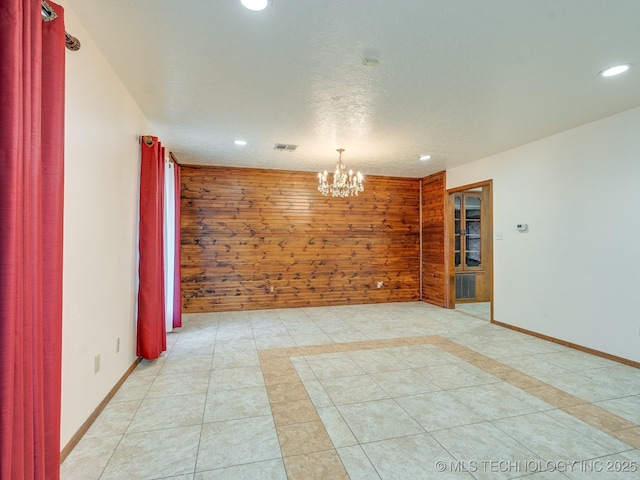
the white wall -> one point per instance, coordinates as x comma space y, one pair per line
574, 275
101, 182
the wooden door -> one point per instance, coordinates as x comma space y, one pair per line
471, 241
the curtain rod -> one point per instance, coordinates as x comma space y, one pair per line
48, 14
175, 160
148, 140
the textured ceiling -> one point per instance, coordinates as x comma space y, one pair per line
459, 79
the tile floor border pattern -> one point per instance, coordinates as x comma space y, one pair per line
305, 443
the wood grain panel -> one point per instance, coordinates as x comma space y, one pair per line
259, 239
434, 278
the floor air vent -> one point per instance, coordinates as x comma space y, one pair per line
465, 286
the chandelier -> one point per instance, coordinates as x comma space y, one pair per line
344, 184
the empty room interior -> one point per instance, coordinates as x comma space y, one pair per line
404, 240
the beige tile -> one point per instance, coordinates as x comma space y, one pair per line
302, 438
276, 364
393, 342
554, 396
599, 417
630, 436
313, 349
342, 347
324, 465
491, 366
360, 345
524, 397
294, 351
589, 431
273, 353
434, 339
281, 376
286, 392
383, 343
298, 411
464, 353
518, 379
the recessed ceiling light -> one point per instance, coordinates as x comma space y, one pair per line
615, 70
255, 5
425, 157
240, 142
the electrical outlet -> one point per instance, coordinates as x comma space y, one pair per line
117, 344
96, 364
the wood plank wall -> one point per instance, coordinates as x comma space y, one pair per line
434, 277
260, 239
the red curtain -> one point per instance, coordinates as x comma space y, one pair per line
31, 208
151, 333
177, 300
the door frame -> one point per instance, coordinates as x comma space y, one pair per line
487, 191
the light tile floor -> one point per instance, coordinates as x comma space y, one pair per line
394, 391
479, 309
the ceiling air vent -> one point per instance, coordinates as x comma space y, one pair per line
284, 147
